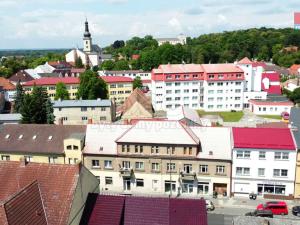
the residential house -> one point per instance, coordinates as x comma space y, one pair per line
80, 112
44, 194
136, 106
144, 75
8, 89
295, 126
119, 88
160, 157
49, 83
75, 72
181, 39
42, 143
21, 76
291, 84
133, 210
295, 69
263, 162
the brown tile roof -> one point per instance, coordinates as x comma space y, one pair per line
57, 185
6, 85
137, 96
26, 207
49, 138
21, 76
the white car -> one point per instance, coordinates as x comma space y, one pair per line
209, 205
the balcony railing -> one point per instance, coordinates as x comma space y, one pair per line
126, 172
191, 175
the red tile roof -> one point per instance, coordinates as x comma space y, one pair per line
221, 68
147, 211
77, 70
263, 138
245, 60
117, 79
257, 64
26, 207
53, 81
135, 57
57, 185
179, 68
272, 76
6, 85
21, 76
269, 102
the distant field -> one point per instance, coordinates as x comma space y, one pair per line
226, 116
271, 117
30, 52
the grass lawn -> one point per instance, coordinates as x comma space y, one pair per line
226, 116
276, 117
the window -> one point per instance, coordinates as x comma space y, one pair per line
220, 84
210, 91
155, 166
75, 147
186, 90
141, 149
69, 147
5, 157
173, 150
186, 76
136, 148
168, 84
184, 150
64, 118
123, 148
190, 151
107, 164
177, 98
195, 90
177, 91
102, 118
140, 182
83, 109
108, 180
187, 168
243, 154
128, 148
242, 171
103, 109
52, 159
171, 167
219, 91
126, 164
203, 169
95, 163
280, 173
28, 158
170, 186
139, 165
262, 155
84, 118
237, 90
211, 84
169, 92
211, 76
169, 77
7, 136
281, 156
261, 172
21, 136
177, 76
220, 169
210, 99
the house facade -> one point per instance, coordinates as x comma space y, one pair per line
270, 107
119, 88
131, 160
263, 162
144, 75
80, 112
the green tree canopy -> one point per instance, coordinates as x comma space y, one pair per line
91, 86
61, 92
137, 83
19, 97
78, 63
108, 65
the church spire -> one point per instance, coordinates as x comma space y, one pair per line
87, 33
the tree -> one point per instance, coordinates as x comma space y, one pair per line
18, 97
108, 65
78, 63
49, 112
91, 86
61, 92
137, 83
295, 96
36, 107
121, 65
118, 44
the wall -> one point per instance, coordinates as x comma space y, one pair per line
40, 158
269, 109
136, 111
119, 91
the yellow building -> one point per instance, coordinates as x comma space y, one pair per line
119, 88
42, 143
49, 83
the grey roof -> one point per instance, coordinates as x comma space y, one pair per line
78, 136
106, 56
82, 103
10, 117
295, 119
277, 98
167, 39
96, 48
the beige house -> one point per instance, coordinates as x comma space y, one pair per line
42, 143
160, 157
80, 112
136, 106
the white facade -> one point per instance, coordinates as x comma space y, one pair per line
263, 171
181, 39
267, 109
144, 75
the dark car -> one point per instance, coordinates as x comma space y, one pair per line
260, 213
296, 210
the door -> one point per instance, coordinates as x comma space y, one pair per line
220, 188
126, 184
188, 187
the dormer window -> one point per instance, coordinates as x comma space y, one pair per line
75, 147
50, 138
34, 137
21, 136
69, 147
7, 136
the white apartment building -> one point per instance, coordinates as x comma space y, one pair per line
211, 87
159, 157
144, 75
264, 161
181, 39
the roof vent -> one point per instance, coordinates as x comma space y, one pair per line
50, 138
34, 137
210, 153
7, 136
21, 136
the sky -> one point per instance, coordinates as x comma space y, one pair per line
60, 23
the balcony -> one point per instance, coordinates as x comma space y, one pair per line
191, 175
126, 172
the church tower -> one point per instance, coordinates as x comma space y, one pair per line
87, 39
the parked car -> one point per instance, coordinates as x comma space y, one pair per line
296, 210
277, 208
260, 213
209, 205
285, 116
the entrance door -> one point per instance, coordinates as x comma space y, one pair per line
220, 188
126, 184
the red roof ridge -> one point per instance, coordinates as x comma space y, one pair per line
245, 60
